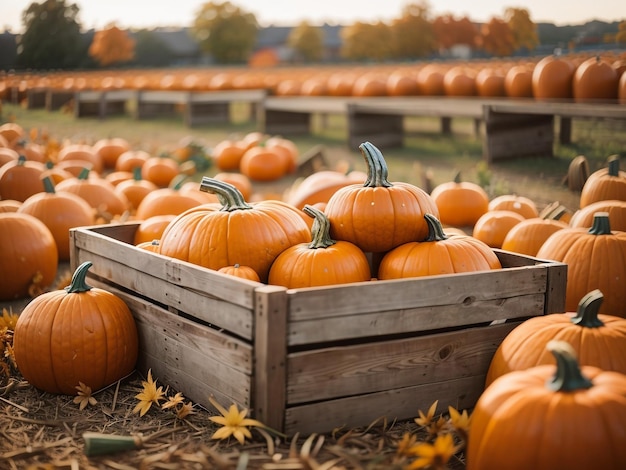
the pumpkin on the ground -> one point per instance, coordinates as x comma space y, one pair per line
527, 236
80, 334
166, 201
615, 208
493, 226
161, 170
605, 184
109, 149
20, 179
135, 189
460, 203
513, 202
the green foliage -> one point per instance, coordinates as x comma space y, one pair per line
226, 32
523, 29
307, 41
52, 37
366, 41
413, 35
150, 50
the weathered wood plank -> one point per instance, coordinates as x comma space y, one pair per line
383, 365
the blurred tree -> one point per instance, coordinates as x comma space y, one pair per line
225, 31
449, 31
112, 46
496, 37
412, 34
620, 36
150, 50
523, 28
307, 41
52, 37
366, 41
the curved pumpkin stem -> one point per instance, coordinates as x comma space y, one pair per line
78, 283
230, 197
321, 228
48, 185
601, 224
137, 173
568, 376
588, 308
84, 173
613, 162
377, 172
457, 177
177, 182
435, 229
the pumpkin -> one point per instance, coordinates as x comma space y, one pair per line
242, 272
261, 163
318, 187
131, 159
549, 417
9, 205
135, 189
227, 154
490, 82
460, 203
287, 147
460, 80
518, 82
379, 215
109, 149
77, 334
152, 246
7, 155
160, 170
527, 236
430, 80
59, 211
599, 340
98, 192
81, 152
616, 210
116, 177
437, 254
240, 181
321, 262
512, 202
152, 228
552, 78
493, 226
28, 255
595, 79
234, 231
20, 179
596, 259
12, 132
604, 184
400, 83
165, 201
369, 84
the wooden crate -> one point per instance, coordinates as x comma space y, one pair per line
310, 360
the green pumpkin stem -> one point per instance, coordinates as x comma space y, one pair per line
435, 229
457, 177
48, 185
230, 197
568, 376
78, 283
137, 173
613, 162
177, 182
21, 159
601, 224
84, 173
320, 231
377, 173
588, 308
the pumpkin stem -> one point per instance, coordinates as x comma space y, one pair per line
78, 283
457, 177
48, 185
229, 196
601, 224
613, 162
435, 229
588, 307
320, 231
137, 173
21, 159
377, 172
177, 181
84, 173
568, 376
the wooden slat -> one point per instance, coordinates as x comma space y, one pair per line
361, 410
378, 366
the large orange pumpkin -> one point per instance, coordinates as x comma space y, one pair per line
552, 78
527, 236
235, 231
28, 255
604, 184
77, 334
596, 259
379, 215
599, 340
595, 79
550, 417
460, 203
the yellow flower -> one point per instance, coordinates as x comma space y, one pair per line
460, 422
434, 456
174, 401
149, 395
84, 398
234, 423
425, 420
8, 320
406, 444
185, 410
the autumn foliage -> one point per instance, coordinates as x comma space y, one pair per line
111, 46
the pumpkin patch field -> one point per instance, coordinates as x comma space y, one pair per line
164, 287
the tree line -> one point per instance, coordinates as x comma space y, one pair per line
52, 37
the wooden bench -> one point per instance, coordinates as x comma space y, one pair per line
293, 115
102, 103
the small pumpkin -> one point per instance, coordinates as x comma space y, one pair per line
493, 226
160, 170
615, 208
20, 179
513, 202
164, 201
77, 334
460, 203
152, 246
599, 340
135, 189
152, 228
81, 152
527, 236
437, 254
379, 215
109, 149
576, 413
321, 262
260, 163
596, 259
227, 154
605, 184
131, 159
242, 272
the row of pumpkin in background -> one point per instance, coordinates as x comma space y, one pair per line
576, 76
509, 222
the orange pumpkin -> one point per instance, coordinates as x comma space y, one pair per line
7, 155
460, 203
261, 163
287, 147
518, 82
131, 159
605, 184
227, 154
20, 179
12, 132
616, 210
490, 82
460, 81
152, 228
492, 227
78, 334
152, 246
552, 78
238, 180
135, 189
242, 272
379, 215
595, 79
160, 170
166, 201
109, 149
512, 202
527, 236
82, 152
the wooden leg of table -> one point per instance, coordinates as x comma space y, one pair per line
565, 130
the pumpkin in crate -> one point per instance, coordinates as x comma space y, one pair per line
527, 236
615, 208
596, 259
460, 203
512, 202
152, 246
321, 262
437, 254
28, 255
234, 231
73, 335
550, 417
59, 211
605, 184
378, 215
242, 272
599, 340
493, 226
152, 228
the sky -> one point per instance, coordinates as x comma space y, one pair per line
136, 14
